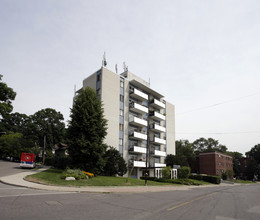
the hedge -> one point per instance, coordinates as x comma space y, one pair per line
207, 178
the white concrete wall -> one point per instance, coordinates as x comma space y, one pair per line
170, 128
110, 95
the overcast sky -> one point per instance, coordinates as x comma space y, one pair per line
203, 55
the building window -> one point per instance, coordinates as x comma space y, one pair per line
121, 150
121, 134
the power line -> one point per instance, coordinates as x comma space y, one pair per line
220, 103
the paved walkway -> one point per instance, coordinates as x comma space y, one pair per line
18, 180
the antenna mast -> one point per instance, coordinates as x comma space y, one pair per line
104, 62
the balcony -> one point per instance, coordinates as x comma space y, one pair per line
159, 153
159, 165
158, 128
138, 108
137, 135
137, 121
156, 115
158, 140
136, 163
157, 104
138, 150
135, 93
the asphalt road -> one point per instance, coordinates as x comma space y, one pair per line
219, 203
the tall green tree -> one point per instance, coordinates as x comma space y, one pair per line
254, 153
15, 122
206, 145
12, 144
236, 164
184, 152
7, 95
86, 132
253, 169
47, 122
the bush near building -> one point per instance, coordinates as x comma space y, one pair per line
184, 172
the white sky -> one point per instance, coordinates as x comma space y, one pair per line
197, 53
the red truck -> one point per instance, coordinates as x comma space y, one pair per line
27, 160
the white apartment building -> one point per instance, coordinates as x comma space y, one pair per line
141, 124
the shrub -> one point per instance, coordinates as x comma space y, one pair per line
224, 176
230, 174
49, 160
184, 172
77, 174
115, 163
210, 179
60, 162
166, 172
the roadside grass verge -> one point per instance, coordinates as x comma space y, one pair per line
53, 177
243, 181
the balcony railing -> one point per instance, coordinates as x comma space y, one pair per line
156, 115
137, 135
137, 108
159, 165
138, 150
136, 163
135, 93
155, 127
158, 140
137, 121
159, 153
158, 104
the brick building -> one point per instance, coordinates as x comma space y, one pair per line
214, 163
211, 163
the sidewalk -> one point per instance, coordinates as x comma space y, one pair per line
18, 180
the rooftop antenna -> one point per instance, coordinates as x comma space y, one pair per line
125, 67
116, 68
104, 62
74, 90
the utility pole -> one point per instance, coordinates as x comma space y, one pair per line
147, 144
44, 148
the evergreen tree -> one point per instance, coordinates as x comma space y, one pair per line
86, 132
115, 163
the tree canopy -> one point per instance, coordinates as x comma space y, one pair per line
254, 153
205, 145
86, 132
7, 95
48, 122
184, 151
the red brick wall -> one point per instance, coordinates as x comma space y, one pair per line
214, 163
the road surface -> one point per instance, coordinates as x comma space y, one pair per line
216, 203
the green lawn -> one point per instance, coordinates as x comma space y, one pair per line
53, 177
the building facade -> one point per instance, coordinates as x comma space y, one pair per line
141, 124
214, 163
